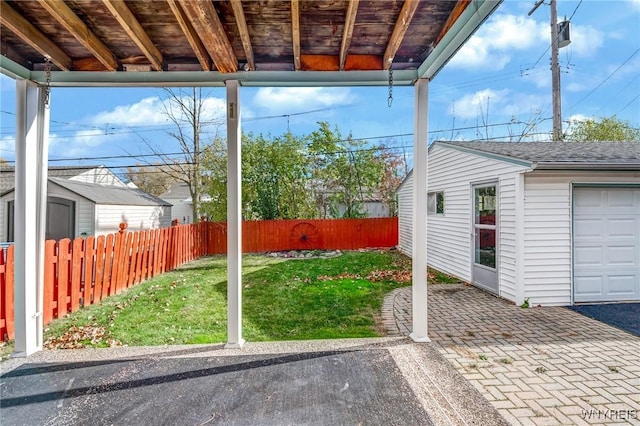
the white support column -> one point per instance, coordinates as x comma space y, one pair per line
234, 217
419, 265
32, 129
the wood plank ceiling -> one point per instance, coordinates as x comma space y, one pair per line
225, 36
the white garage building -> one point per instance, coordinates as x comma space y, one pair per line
553, 222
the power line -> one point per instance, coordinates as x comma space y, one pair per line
606, 79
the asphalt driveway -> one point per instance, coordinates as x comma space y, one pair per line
625, 316
374, 381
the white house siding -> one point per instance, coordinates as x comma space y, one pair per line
547, 232
181, 210
137, 218
3, 219
449, 236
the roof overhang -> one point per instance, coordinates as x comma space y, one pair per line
474, 14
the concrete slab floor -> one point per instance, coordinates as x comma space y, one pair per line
388, 381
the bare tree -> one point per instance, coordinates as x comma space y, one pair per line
186, 109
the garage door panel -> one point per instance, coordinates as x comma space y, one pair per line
622, 285
620, 199
588, 288
588, 256
588, 228
622, 228
622, 255
606, 244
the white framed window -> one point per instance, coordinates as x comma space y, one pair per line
435, 202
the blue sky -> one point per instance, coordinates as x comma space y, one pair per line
499, 80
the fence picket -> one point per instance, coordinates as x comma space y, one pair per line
77, 253
64, 260
99, 278
89, 265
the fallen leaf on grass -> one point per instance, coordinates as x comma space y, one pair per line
75, 338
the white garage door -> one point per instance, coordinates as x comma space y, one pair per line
606, 244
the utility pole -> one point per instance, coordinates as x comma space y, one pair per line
555, 70
555, 76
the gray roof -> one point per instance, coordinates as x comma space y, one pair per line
559, 155
7, 174
107, 194
178, 190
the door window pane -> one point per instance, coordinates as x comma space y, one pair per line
485, 205
485, 250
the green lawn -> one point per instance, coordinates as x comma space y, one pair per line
282, 300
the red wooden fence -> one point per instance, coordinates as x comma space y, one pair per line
85, 271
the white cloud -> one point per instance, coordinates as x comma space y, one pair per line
493, 46
7, 146
499, 106
635, 4
297, 99
123, 122
585, 40
476, 104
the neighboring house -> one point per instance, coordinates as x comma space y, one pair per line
79, 209
371, 207
89, 174
180, 197
552, 222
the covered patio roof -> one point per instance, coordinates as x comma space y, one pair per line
258, 42
231, 43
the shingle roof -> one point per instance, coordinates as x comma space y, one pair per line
7, 174
106, 194
178, 190
569, 155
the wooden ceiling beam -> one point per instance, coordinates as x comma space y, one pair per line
244, 33
33, 36
295, 33
402, 24
132, 27
192, 35
349, 23
205, 21
65, 16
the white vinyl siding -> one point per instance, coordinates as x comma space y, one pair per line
547, 232
452, 172
405, 208
137, 218
3, 219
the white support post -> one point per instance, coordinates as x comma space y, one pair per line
419, 265
32, 129
234, 217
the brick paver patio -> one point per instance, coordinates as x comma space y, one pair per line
537, 366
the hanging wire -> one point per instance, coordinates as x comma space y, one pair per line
47, 87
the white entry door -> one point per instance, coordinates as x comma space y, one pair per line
485, 210
606, 244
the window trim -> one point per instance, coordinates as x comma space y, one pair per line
433, 203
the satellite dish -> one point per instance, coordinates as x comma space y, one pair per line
564, 33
